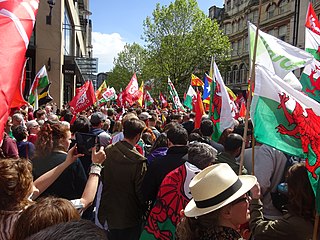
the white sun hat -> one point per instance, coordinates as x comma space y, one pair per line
214, 187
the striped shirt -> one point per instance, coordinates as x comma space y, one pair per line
7, 222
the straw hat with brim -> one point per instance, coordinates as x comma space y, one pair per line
215, 187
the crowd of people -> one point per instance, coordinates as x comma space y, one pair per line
116, 173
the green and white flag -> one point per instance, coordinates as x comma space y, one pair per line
286, 119
191, 94
174, 96
310, 78
223, 107
148, 100
278, 56
40, 81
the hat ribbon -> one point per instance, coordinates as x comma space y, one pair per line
221, 196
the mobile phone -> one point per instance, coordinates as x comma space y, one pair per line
85, 142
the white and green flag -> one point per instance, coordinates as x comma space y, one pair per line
310, 78
278, 56
174, 96
288, 120
191, 94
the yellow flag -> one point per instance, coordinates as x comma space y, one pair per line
140, 100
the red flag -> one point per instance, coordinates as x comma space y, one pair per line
243, 110
131, 93
17, 19
84, 98
18, 99
198, 109
163, 100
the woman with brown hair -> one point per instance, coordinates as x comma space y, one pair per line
297, 223
15, 189
51, 150
219, 206
42, 214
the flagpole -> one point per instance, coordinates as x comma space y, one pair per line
36, 103
212, 86
315, 227
252, 82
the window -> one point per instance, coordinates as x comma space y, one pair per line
246, 44
228, 28
67, 35
272, 32
234, 48
240, 42
229, 5
282, 32
283, 6
234, 27
271, 10
240, 24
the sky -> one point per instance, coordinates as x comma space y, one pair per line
117, 22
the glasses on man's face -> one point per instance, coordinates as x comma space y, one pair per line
241, 199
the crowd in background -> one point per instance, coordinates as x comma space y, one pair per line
150, 175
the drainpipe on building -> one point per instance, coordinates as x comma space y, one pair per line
296, 22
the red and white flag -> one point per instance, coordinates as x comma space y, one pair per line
131, 93
163, 100
17, 19
84, 98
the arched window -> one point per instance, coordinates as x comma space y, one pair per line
235, 74
271, 10
243, 73
283, 6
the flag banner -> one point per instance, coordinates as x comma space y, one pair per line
312, 34
163, 100
101, 90
18, 99
44, 96
174, 96
310, 80
41, 80
17, 19
206, 89
131, 92
195, 81
84, 98
190, 97
148, 100
110, 94
141, 90
286, 119
223, 107
198, 109
278, 56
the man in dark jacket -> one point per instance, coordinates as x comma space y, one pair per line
160, 167
122, 204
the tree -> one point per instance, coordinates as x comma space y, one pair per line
130, 60
180, 40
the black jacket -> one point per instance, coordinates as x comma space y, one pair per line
159, 168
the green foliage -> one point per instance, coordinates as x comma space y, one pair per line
180, 40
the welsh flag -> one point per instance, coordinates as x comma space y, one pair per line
310, 78
17, 19
312, 36
191, 95
174, 96
110, 94
195, 81
148, 100
278, 56
163, 100
286, 119
223, 108
40, 81
84, 98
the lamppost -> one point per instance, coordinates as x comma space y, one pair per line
49, 17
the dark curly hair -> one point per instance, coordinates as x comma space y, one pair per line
49, 138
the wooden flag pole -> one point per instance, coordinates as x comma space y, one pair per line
253, 143
315, 227
252, 81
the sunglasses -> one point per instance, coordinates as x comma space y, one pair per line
242, 199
